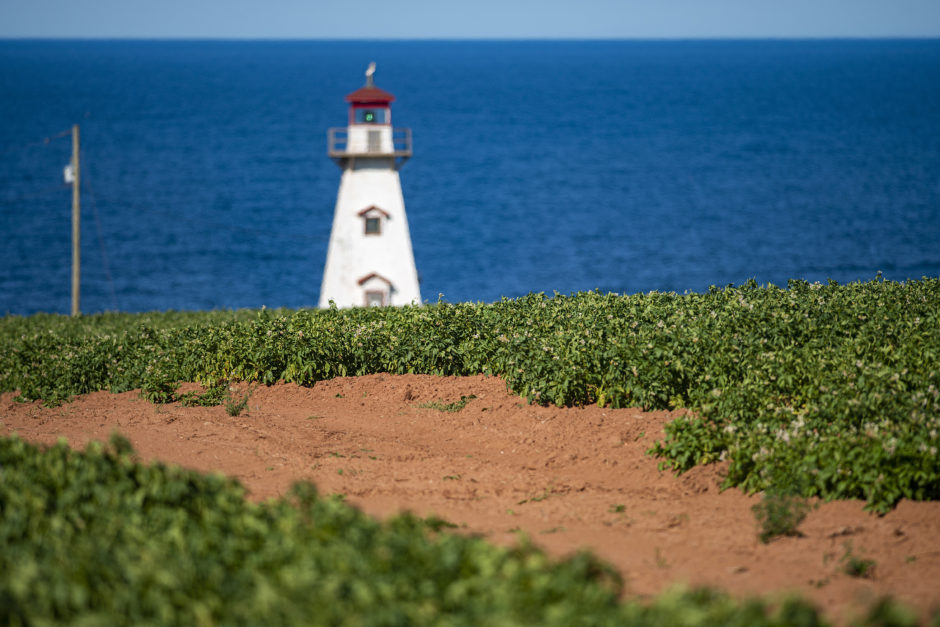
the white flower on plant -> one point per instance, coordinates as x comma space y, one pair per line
891, 446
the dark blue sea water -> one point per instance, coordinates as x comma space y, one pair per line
538, 166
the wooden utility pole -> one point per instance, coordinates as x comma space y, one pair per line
76, 225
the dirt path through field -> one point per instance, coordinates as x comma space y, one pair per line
570, 478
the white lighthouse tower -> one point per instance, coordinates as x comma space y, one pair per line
369, 260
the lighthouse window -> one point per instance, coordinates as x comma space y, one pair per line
371, 116
375, 298
373, 226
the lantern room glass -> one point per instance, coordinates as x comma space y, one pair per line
371, 116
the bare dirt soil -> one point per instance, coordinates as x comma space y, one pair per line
570, 478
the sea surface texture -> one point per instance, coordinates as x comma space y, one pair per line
538, 166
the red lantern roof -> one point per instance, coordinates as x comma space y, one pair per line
371, 95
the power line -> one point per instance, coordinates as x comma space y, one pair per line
208, 224
45, 141
202, 224
42, 194
101, 247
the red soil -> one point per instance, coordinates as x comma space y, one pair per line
570, 478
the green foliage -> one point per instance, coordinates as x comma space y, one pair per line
235, 402
856, 566
212, 397
449, 407
889, 613
97, 538
436, 523
159, 391
832, 387
779, 514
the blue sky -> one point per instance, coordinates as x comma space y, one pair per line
317, 19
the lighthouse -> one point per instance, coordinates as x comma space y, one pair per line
369, 261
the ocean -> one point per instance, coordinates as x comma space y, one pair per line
539, 166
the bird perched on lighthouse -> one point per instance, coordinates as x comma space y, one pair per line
369, 261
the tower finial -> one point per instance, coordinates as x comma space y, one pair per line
370, 71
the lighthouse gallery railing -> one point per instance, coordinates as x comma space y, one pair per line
338, 144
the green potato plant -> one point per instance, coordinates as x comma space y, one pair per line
835, 388
95, 537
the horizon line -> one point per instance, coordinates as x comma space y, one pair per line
360, 39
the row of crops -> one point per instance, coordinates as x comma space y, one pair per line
95, 538
821, 390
